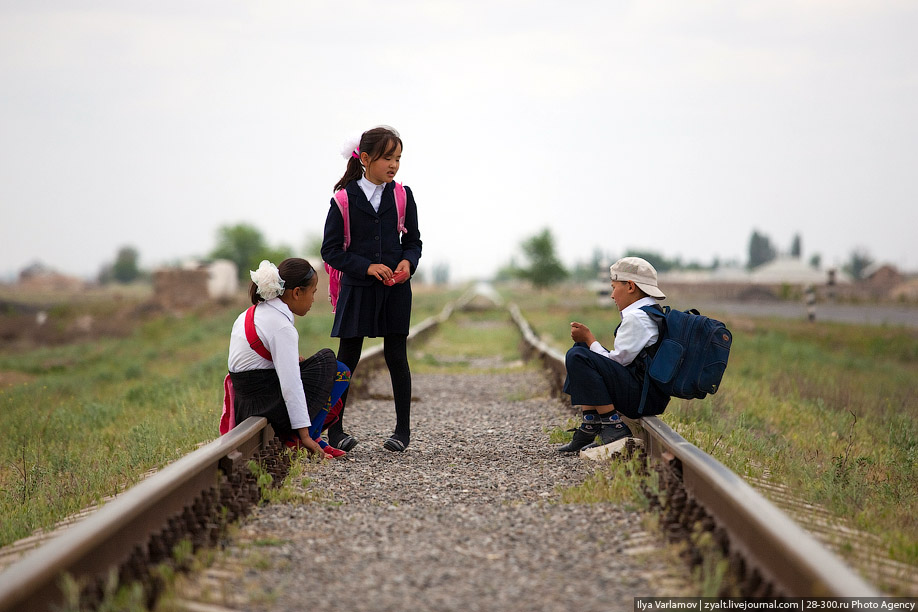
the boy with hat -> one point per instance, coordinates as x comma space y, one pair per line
605, 383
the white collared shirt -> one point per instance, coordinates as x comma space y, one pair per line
372, 191
274, 325
637, 331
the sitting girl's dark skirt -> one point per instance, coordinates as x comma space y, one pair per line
258, 392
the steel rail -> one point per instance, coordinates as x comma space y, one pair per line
783, 554
106, 539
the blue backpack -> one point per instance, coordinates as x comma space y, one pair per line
689, 358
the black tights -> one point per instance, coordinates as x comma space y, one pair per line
395, 350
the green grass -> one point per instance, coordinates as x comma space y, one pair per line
829, 410
94, 416
86, 420
470, 342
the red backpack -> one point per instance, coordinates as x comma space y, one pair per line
334, 276
228, 418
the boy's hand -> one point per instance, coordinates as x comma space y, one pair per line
582, 333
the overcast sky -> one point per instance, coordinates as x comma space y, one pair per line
678, 127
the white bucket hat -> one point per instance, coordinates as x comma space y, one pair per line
638, 271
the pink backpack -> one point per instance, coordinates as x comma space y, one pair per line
334, 276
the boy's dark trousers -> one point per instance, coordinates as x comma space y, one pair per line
595, 380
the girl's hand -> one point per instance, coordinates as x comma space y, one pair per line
379, 271
311, 445
403, 266
582, 333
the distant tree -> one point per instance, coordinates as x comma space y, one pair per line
596, 267
760, 250
545, 269
125, 269
657, 260
796, 249
860, 260
509, 271
815, 260
243, 245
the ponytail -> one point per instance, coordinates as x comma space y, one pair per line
379, 141
354, 171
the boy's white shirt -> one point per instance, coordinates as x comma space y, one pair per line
372, 191
637, 331
274, 325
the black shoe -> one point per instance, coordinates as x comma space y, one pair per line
581, 438
614, 431
396, 443
344, 442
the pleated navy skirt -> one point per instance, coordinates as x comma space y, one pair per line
373, 310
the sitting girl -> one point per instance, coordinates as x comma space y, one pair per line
267, 377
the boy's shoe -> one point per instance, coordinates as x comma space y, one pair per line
345, 442
616, 430
581, 439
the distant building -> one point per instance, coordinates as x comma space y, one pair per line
786, 270
194, 284
39, 276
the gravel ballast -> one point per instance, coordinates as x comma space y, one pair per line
468, 518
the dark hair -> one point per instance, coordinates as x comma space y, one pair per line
376, 143
295, 272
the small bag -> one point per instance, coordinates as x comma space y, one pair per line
334, 276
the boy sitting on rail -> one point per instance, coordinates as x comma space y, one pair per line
605, 383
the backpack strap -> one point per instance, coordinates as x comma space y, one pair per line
341, 201
252, 336
657, 313
401, 203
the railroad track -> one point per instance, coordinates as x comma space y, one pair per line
194, 498
771, 555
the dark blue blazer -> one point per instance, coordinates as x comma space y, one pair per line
374, 236
366, 307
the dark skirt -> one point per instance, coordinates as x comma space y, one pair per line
372, 311
258, 392
595, 380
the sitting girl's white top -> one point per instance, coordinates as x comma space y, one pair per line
637, 331
274, 325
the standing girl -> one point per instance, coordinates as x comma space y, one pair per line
267, 377
376, 266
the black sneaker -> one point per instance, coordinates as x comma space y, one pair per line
616, 430
345, 442
581, 438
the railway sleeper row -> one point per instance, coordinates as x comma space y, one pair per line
202, 524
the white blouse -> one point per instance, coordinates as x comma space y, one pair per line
372, 191
274, 325
636, 331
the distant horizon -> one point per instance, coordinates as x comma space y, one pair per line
13, 276
676, 128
